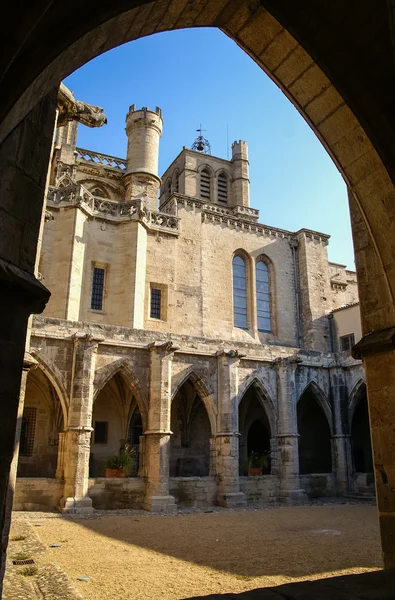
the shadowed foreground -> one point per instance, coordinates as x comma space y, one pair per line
141, 556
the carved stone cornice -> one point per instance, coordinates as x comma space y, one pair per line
231, 353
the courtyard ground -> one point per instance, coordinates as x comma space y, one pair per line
139, 556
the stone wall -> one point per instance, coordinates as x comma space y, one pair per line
261, 488
319, 485
194, 491
116, 493
37, 493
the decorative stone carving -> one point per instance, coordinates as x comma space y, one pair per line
71, 109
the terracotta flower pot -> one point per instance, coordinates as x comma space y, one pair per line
114, 473
254, 471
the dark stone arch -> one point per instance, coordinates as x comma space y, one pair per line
360, 434
315, 454
254, 428
190, 442
42, 421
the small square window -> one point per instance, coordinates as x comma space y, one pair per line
156, 296
347, 342
101, 432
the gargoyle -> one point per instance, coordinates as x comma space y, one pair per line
71, 109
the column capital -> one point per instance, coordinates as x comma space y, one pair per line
288, 361
163, 347
23, 287
376, 342
86, 336
29, 362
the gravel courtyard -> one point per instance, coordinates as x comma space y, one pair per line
140, 556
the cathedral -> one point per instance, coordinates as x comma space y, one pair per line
207, 351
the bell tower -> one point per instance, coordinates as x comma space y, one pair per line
144, 130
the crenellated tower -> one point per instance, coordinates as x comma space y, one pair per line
144, 130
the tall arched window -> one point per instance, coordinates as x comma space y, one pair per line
205, 184
262, 296
222, 188
239, 293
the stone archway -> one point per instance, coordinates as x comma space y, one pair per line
255, 429
314, 431
42, 422
328, 72
190, 442
360, 432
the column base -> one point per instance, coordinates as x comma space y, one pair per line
292, 497
232, 500
160, 504
80, 506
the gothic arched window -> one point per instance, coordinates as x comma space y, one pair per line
99, 192
263, 296
239, 293
205, 184
222, 188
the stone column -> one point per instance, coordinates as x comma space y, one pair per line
157, 445
23, 175
78, 432
227, 438
341, 448
378, 351
287, 436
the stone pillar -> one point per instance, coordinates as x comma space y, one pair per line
23, 175
378, 351
78, 432
341, 448
157, 437
287, 436
227, 438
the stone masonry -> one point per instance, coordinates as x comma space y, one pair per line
138, 342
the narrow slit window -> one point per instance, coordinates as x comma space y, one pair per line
155, 312
205, 184
97, 288
222, 189
28, 430
101, 432
239, 293
263, 296
177, 182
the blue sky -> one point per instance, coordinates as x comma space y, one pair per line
201, 76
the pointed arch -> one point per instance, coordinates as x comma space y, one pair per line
202, 390
264, 398
322, 401
55, 377
123, 367
355, 396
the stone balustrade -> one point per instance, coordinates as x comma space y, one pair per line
101, 159
77, 195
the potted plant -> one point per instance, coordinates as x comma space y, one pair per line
257, 462
121, 463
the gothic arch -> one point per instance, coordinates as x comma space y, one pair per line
263, 396
321, 400
355, 396
204, 394
55, 378
122, 366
